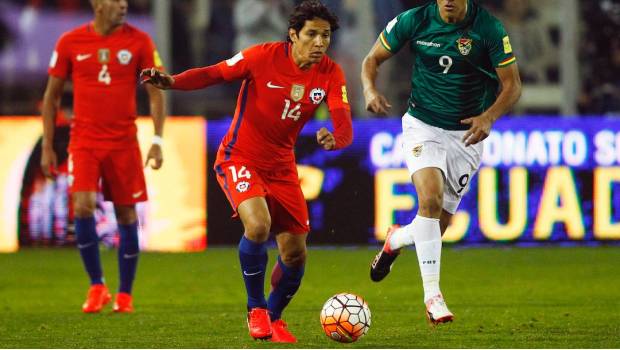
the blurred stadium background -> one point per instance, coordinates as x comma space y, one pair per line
550, 175
557, 154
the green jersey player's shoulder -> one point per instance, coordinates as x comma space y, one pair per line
495, 38
487, 24
404, 26
417, 15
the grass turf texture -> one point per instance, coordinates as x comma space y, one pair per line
544, 297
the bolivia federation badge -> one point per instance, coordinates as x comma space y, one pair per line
464, 46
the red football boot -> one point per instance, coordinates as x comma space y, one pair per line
281, 333
98, 297
259, 323
123, 303
383, 261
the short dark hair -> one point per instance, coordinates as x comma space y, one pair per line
309, 10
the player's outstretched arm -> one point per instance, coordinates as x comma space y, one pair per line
51, 103
480, 126
375, 101
191, 79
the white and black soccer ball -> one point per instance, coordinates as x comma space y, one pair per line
345, 317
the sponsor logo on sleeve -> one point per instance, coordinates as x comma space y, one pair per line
345, 98
317, 95
507, 46
391, 25
157, 59
234, 60
54, 59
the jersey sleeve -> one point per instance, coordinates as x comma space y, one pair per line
398, 32
60, 62
337, 91
241, 65
498, 45
339, 108
149, 57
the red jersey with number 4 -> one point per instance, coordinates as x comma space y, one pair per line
105, 71
276, 99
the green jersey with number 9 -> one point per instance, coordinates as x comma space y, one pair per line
454, 70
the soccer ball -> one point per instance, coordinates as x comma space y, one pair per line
345, 317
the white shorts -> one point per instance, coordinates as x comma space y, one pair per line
426, 146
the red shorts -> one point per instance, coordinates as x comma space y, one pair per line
280, 188
120, 171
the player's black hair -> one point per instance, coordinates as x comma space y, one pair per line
309, 10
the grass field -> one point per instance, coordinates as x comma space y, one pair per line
502, 297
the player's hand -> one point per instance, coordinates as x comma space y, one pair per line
480, 128
155, 157
326, 139
156, 78
376, 102
49, 162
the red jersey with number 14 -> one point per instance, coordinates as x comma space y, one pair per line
105, 71
276, 99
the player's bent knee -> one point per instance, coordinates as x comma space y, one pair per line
257, 230
126, 215
431, 206
83, 209
294, 258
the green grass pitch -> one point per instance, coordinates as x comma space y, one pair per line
502, 297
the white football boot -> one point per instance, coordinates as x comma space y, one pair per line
437, 311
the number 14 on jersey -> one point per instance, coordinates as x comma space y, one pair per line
288, 112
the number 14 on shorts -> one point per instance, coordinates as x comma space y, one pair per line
242, 173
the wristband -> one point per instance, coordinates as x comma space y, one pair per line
158, 140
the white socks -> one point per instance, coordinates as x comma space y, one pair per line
426, 234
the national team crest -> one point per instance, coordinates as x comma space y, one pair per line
103, 55
464, 46
417, 150
242, 186
297, 92
124, 57
317, 95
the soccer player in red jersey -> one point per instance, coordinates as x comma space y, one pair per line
283, 84
103, 59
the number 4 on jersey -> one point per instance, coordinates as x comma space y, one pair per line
104, 75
